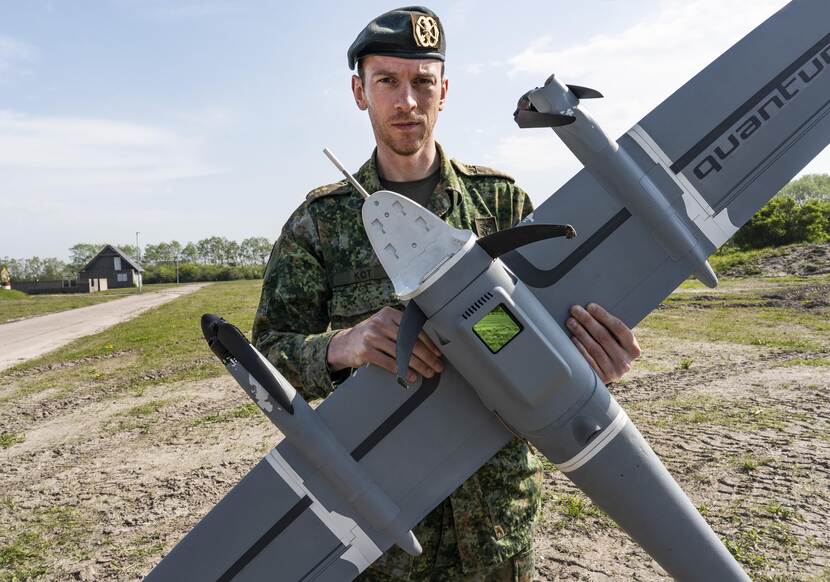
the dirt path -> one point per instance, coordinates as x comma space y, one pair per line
21, 340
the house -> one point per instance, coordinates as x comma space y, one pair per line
112, 264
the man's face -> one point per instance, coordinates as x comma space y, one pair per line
403, 98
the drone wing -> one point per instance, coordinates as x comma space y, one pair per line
717, 149
287, 520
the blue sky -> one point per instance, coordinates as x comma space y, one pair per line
188, 119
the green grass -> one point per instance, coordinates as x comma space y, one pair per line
49, 531
138, 418
815, 362
15, 305
739, 285
750, 463
746, 547
741, 312
703, 409
126, 552
11, 294
161, 346
575, 511
685, 364
778, 511
242, 411
8, 439
573, 506
147, 409
770, 531
778, 327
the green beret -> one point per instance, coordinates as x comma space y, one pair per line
413, 32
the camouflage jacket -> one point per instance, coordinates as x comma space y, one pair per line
323, 276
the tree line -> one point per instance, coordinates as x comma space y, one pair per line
800, 212
215, 258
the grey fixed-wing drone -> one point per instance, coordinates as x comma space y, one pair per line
352, 477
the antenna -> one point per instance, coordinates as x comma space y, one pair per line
345, 172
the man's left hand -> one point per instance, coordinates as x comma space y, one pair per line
606, 342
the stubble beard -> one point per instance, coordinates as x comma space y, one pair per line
402, 145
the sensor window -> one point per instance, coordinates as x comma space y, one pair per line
497, 328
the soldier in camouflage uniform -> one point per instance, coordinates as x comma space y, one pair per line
323, 282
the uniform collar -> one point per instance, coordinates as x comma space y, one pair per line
445, 194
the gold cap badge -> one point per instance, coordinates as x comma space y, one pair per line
425, 30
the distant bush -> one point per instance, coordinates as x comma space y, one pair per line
191, 272
783, 220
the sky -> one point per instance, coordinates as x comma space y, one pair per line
186, 119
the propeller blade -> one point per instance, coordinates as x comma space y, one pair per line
585, 92
525, 119
412, 323
504, 241
226, 341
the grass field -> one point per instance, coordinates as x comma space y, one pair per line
164, 345
114, 446
16, 305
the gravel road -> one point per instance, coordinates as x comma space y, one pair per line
27, 338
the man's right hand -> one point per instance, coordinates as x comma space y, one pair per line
373, 341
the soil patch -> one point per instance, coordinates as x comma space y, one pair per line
802, 260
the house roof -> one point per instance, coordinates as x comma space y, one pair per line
121, 253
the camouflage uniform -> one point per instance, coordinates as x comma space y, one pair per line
323, 276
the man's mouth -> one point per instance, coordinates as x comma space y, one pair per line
405, 125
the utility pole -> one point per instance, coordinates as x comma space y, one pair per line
138, 259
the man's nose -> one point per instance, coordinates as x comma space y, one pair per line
406, 98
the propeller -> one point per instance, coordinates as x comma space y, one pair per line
412, 323
526, 115
504, 241
585, 92
227, 342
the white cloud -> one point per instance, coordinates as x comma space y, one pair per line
40, 151
541, 152
209, 118
819, 165
64, 179
13, 54
638, 67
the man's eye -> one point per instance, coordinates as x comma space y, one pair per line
386, 80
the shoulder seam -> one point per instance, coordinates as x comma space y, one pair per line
334, 189
474, 171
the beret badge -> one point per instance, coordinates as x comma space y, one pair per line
425, 30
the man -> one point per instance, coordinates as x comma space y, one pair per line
328, 307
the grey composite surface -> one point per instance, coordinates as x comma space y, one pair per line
425, 453
418, 459
629, 273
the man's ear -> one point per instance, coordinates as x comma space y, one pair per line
445, 85
359, 94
